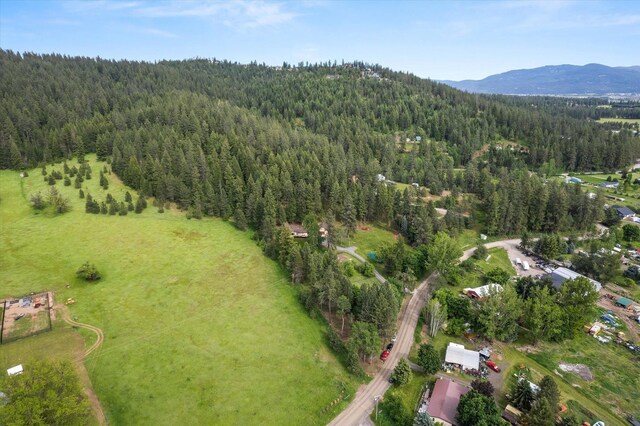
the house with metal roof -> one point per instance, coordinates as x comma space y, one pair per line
624, 211
483, 291
443, 405
560, 275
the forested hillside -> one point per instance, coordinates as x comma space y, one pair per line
269, 145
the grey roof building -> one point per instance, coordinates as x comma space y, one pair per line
560, 275
624, 211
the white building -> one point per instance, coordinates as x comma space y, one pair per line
466, 359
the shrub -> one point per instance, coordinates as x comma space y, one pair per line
37, 201
88, 272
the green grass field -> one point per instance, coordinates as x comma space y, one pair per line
370, 240
619, 120
498, 258
198, 323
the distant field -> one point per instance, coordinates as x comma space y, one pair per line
198, 323
619, 120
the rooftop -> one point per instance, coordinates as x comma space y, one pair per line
625, 211
624, 301
560, 275
457, 354
444, 400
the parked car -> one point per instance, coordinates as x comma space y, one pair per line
394, 338
492, 365
390, 346
19, 316
384, 355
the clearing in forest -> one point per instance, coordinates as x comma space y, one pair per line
198, 323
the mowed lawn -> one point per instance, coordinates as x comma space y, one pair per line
199, 325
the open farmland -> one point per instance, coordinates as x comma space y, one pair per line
198, 323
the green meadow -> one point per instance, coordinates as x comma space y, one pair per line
198, 323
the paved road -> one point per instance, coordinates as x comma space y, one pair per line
357, 413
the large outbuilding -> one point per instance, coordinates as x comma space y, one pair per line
466, 359
560, 275
443, 405
483, 291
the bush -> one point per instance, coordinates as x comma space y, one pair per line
348, 268
366, 269
88, 272
429, 359
402, 373
38, 202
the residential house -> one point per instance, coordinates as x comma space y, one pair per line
483, 291
297, 231
624, 212
443, 405
609, 184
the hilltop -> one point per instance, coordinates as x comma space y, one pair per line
590, 79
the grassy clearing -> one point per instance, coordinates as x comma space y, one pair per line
498, 258
614, 370
198, 323
359, 280
370, 238
619, 120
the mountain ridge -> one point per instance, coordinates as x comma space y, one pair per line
565, 79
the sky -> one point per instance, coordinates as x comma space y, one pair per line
450, 40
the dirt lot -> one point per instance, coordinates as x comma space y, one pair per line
24, 316
579, 369
633, 327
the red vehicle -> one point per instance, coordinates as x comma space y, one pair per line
384, 355
492, 365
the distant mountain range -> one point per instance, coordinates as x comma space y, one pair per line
590, 79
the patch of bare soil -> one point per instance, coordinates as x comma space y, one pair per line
528, 349
580, 369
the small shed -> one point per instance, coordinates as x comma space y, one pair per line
623, 302
15, 370
511, 414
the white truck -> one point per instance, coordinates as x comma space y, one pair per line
518, 261
525, 266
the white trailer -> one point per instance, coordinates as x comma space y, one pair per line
525, 265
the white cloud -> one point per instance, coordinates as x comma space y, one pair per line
238, 14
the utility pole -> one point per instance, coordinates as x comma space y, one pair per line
376, 399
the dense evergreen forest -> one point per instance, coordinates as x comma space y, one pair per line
274, 144
265, 146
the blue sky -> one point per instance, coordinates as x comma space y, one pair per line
436, 39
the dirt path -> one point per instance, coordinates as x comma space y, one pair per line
84, 375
